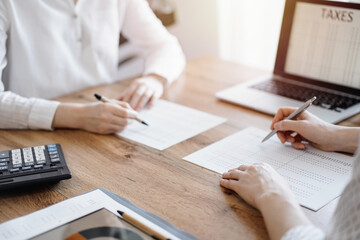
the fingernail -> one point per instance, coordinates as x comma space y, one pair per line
277, 126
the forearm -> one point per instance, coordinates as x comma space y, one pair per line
281, 213
345, 139
17, 112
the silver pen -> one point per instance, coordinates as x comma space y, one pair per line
296, 113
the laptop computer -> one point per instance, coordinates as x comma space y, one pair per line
318, 55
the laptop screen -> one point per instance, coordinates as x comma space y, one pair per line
320, 40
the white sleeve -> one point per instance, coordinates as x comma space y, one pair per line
164, 55
17, 112
303, 233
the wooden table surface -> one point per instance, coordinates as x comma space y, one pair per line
158, 181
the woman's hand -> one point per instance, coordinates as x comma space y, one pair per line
320, 134
262, 187
144, 91
256, 183
97, 117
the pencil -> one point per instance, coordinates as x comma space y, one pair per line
107, 100
137, 223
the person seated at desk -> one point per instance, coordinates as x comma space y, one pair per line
56, 47
263, 188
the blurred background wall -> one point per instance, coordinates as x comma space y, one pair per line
242, 31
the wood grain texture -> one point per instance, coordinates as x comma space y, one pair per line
158, 181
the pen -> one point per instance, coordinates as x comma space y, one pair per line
142, 226
107, 100
298, 111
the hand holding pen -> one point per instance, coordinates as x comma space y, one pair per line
123, 104
291, 115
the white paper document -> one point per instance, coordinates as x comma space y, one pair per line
316, 177
169, 124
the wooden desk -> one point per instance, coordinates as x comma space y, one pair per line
158, 181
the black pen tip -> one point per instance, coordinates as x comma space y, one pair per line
98, 97
120, 212
144, 123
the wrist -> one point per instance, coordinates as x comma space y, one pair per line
281, 212
159, 78
345, 139
273, 199
68, 115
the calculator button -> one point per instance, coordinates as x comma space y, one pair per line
39, 147
38, 166
28, 158
27, 150
4, 154
54, 160
3, 168
17, 162
5, 160
39, 151
14, 170
16, 152
3, 164
54, 155
40, 157
26, 168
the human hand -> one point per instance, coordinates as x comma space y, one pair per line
256, 184
310, 128
97, 117
263, 188
142, 91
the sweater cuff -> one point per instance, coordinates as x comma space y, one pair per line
42, 114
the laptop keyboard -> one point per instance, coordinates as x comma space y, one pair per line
324, 99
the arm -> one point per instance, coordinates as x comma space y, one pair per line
98, 117
164, 59
15, 111
320, 134
263, 188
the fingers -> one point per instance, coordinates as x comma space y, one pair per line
123, 104
119, 121
229, 184
143, 91
127, 94
298, 145
282, 137
241, 168
152, 101
144, 99
290, 125
236, 175
135, 98
281, 114
289, 137
121, 111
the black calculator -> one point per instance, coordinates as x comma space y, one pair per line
32, 165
